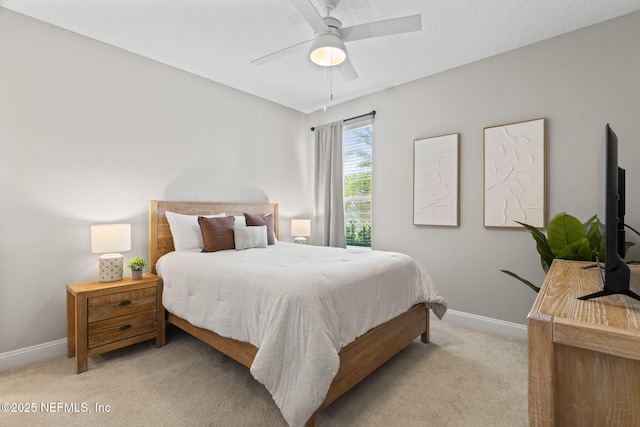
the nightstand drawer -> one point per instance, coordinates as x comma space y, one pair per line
122, 327
121, 303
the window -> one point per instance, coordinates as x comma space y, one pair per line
356, 141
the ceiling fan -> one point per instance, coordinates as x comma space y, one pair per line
327, 47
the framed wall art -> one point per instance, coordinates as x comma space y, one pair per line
435, 180
514, 174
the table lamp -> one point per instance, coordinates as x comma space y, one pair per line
300, 229
109, 239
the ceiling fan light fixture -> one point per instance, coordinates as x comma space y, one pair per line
328, 50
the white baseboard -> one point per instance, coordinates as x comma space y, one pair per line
35, 353
488, 324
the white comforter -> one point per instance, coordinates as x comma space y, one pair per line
298, 304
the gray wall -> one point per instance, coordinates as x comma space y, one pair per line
89, 134
578, 82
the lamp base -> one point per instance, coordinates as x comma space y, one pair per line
300, 240
110, 267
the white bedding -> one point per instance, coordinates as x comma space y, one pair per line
298, 304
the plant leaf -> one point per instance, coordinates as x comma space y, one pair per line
579, 250
542, 245
525, 281
587, 224
594, 235
563, 230
627, 246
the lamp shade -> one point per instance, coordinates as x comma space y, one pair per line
328, 50
109, 238
300, 227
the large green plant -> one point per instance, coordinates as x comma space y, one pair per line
567, 238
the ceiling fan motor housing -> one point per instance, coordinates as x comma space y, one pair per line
332, 22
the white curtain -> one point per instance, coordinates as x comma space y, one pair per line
328, 186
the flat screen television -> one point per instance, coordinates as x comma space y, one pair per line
615, 273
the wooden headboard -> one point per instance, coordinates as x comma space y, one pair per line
160, 240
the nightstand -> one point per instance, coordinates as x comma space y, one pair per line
105, 316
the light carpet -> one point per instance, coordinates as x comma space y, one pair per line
464, 377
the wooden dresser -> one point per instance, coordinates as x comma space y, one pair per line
584, 356
105, 316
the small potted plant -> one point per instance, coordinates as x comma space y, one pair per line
136, 264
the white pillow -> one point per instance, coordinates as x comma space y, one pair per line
250, 237
240, 221
186, 230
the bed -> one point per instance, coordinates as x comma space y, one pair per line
362, 354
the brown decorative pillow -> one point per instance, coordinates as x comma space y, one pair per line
262, 220
217, 233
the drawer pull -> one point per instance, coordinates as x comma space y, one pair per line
125, 303
123, 327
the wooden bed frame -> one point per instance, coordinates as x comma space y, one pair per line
357, 360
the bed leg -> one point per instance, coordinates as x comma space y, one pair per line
425, 335
312, 421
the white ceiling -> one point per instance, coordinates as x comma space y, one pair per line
217, 39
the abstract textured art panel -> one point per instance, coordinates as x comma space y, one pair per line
435, 180
514, 174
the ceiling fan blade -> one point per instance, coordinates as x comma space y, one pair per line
347, 71
303, 46
382, 28
311, 15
